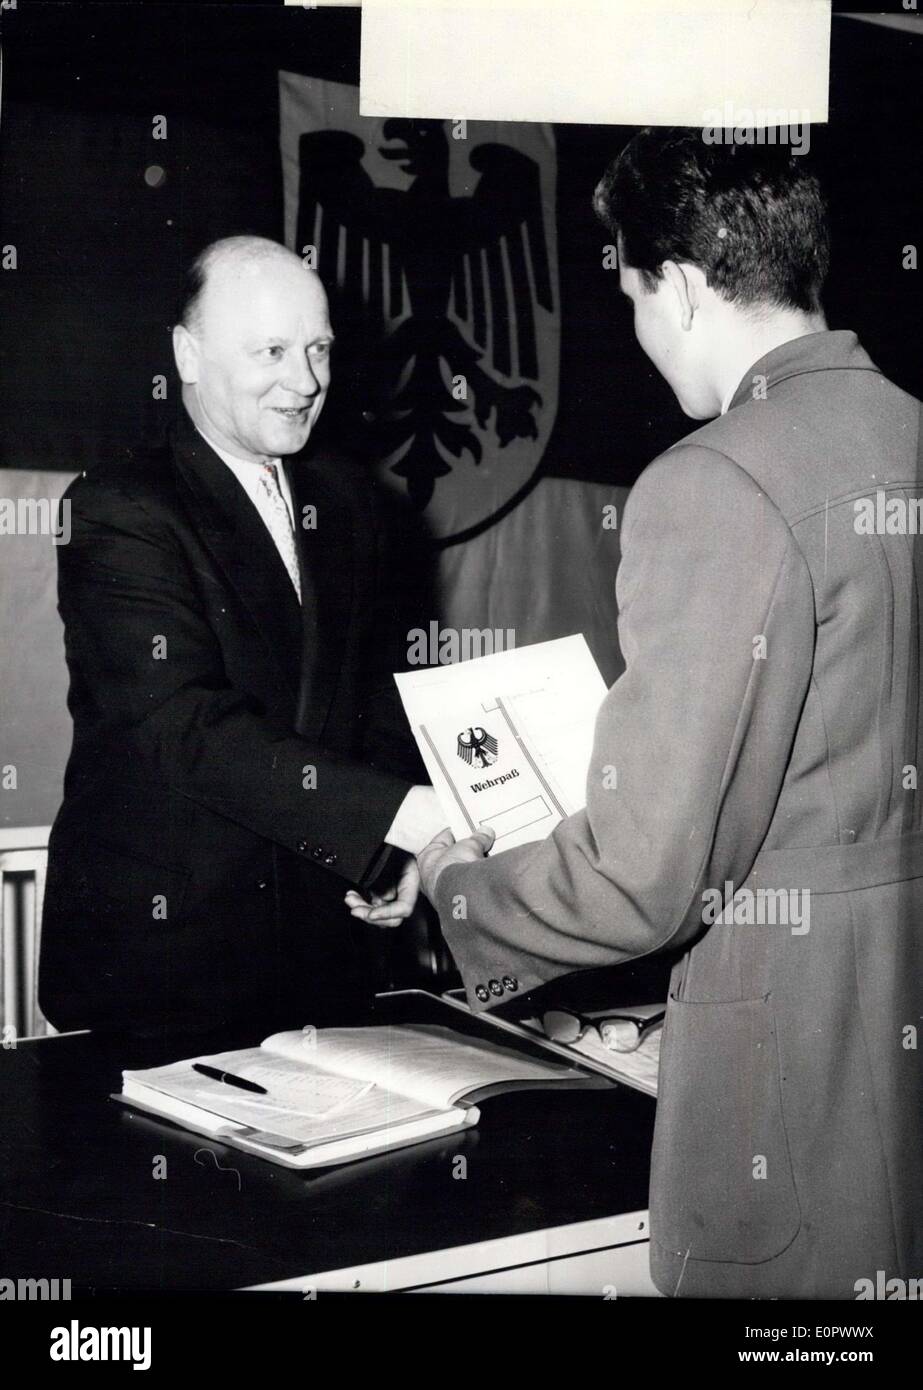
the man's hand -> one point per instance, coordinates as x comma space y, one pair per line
392, 907
444, 850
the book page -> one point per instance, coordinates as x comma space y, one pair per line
303, 1101
434, 1065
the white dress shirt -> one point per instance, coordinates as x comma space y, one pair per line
248, 475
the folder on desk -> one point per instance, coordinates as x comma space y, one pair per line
333, 1095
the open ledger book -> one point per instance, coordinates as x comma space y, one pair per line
337, 1094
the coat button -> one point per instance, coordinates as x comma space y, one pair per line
302, 846
330, 859
495, 986
481, 994
511, 983
318, 852
262, 883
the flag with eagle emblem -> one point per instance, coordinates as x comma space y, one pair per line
436, 241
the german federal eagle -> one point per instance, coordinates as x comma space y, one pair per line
427, 287
477, 743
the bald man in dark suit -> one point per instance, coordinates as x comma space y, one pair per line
235, 767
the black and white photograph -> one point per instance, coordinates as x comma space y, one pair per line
461, 682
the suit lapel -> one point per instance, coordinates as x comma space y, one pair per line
326, 555
242, 548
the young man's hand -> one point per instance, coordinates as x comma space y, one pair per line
445, 850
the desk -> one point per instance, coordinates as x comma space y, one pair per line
554, 1196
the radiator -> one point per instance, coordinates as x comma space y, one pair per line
23, 857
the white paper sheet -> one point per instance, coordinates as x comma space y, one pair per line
302, 1102
605, 62
507, 738
432, 1064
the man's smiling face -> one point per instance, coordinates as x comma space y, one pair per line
258, 359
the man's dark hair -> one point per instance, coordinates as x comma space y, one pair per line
750, 216
189, 301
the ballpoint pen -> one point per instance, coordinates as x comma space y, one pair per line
240, 1082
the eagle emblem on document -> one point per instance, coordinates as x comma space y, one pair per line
439, 255
477, 744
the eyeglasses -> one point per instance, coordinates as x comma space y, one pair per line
619, 1030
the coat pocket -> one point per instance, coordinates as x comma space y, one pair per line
721, 1176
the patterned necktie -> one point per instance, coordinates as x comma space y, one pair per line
280, 523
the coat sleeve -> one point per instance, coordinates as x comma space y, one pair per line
716, 623
124, 584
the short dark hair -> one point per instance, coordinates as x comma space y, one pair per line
188, 304
752, 217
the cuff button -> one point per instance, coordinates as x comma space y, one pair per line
495, 986
481, 994
511, 983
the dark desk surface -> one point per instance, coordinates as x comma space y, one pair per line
79, 1198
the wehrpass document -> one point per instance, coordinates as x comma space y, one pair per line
507, 738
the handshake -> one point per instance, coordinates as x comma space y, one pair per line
416, 829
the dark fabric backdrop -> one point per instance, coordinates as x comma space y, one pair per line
86, 314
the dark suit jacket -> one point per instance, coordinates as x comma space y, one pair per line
195, 877
761, 734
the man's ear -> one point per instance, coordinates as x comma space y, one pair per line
186, 353
684, 282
